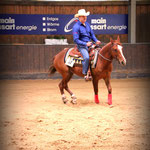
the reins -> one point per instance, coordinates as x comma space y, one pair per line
104, 57
101, 54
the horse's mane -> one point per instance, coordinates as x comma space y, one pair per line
106, 45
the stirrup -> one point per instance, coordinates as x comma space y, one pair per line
87, 77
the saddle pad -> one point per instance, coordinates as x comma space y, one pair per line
71, 60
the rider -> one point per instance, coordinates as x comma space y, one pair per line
82, 36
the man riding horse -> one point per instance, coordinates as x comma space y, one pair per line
64, 61
82, 36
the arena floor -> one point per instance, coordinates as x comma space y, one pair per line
33, 116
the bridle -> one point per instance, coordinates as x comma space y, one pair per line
105, 57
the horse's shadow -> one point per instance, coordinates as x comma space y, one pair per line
87, 102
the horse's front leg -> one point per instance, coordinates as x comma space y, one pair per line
107, 82
95, 85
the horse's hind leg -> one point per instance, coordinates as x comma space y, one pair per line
73, 97
63, 85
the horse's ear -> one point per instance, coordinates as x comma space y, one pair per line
111, 40
118, 39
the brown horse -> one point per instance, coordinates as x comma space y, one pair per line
102, 70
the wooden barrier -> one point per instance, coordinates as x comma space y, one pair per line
33, 61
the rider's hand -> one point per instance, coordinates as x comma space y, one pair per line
88, 44
98, 42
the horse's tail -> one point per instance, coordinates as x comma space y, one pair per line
52, 69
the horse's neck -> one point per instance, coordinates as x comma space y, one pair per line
105, 55
106, 49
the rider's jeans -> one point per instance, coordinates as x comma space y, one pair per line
85, 62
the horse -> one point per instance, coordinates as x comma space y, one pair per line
103, 69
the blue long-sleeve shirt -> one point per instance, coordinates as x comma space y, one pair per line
83, 34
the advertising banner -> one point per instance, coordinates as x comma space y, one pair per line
23, 24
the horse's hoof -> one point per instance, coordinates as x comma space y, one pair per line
64, 99
111, 106
74, 99
65, 102
74, 102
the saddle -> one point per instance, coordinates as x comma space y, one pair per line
75, 53
74, 57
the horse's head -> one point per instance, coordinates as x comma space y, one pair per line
117, 51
